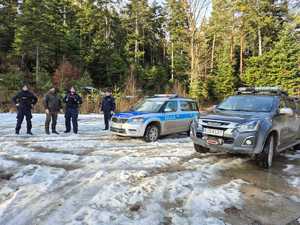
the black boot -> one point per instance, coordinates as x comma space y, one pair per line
54, 132
29, 132
17, 132
47, 131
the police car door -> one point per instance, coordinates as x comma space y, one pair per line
188, 110
170, 111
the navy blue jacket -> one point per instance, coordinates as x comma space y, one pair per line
25, 99
108, 104
72, 101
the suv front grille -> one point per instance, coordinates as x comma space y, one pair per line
119, 120
215, 123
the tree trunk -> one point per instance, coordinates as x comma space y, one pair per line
64, 16
37, 66
172, 61
136, 47
213, 54
259, 42
241, 54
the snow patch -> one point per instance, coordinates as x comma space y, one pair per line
43, 176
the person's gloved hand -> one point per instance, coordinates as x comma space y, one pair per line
17, 104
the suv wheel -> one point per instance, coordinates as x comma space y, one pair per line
200, 148
265, 158
151, 133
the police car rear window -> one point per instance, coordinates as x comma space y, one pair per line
188, 106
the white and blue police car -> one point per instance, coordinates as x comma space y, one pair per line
156, 116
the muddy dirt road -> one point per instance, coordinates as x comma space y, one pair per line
94, 178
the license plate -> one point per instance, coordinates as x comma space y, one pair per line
213, 141
214, 132
116, 125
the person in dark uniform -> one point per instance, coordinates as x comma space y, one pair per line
24, 101
73, 101
108, 106
52, 104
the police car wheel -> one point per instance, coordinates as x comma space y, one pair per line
200, 149
152, 133
265, 158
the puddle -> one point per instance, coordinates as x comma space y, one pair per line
267, 195
5, 176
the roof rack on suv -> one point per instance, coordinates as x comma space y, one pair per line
166, 96
261, 90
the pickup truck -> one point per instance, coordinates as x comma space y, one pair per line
259, 121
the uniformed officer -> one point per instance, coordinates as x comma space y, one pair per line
24, 101
108, 106
73, 101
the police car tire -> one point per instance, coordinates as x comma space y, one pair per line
147, 137
200, 149
266, 157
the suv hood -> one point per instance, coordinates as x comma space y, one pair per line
236, 117
127, 115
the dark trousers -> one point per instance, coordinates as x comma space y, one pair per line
71, 114
20, 117
51, 116
107, 117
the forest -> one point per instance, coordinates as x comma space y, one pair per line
204, 49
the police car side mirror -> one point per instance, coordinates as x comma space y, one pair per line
167, 110
286, 111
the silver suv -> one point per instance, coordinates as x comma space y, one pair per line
256, 121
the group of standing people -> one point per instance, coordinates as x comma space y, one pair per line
25, 101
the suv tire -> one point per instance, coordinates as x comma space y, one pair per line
151, 133
200, 149
265, 158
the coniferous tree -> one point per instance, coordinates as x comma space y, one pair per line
280, 66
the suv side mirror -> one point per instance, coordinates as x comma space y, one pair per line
286, 111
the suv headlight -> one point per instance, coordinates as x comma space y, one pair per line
249, 126
136, 120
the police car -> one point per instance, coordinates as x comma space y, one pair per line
156, 116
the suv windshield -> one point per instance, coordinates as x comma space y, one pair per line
148, 105
247, 103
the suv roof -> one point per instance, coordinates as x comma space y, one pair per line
261, 91
169, 96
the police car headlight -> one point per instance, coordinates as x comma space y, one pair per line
199, 125
248, 127
137, 120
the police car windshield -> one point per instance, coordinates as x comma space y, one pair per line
248, 103
149, 106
